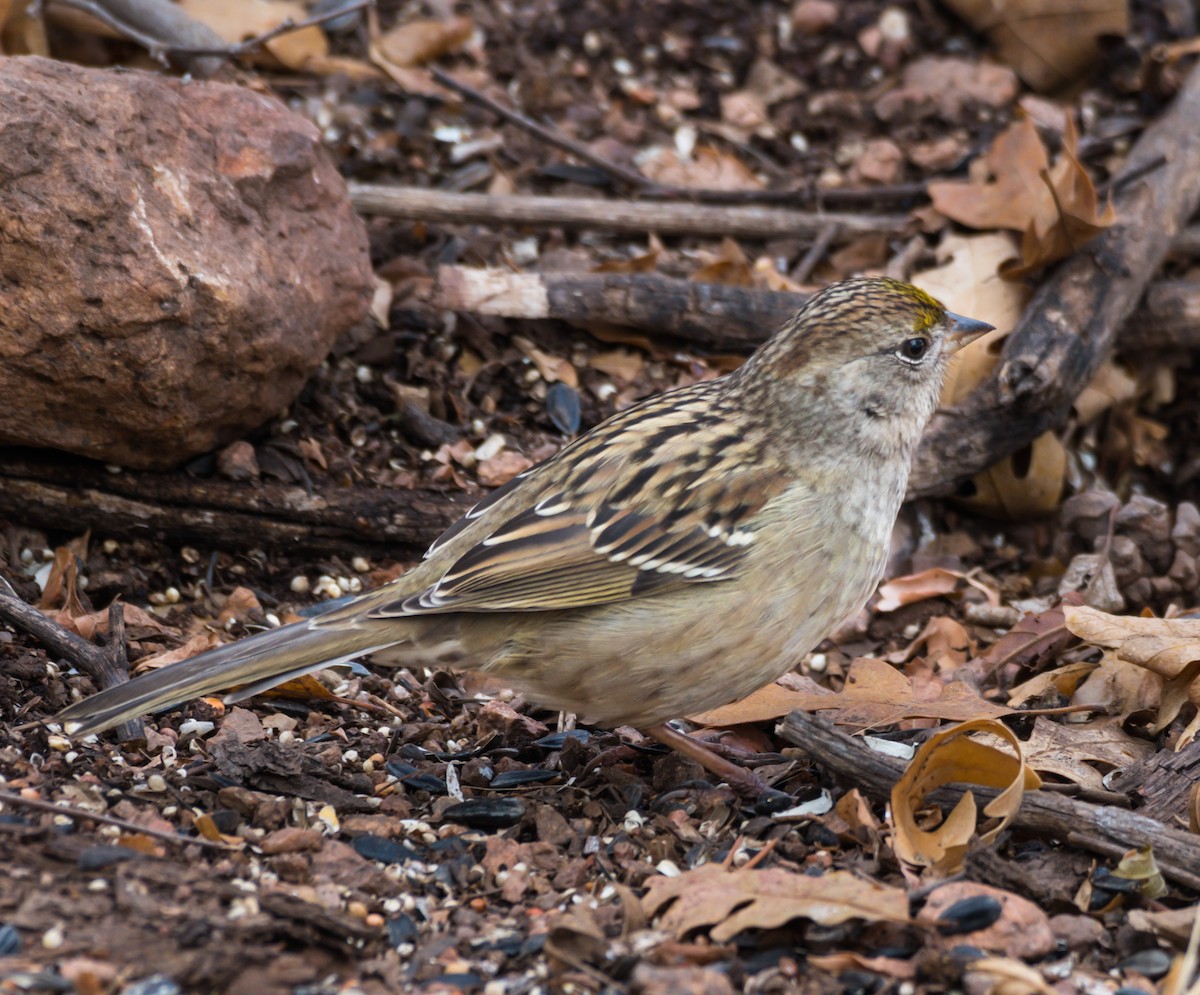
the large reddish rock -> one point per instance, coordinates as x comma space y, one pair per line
175, 260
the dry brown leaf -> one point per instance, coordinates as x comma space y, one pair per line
729, 266
417, 42
1030, 483
943, 642
1110, 386
1069, 750
1163, 646
1068, 215
241, 604
1035, 636
623, 364
931, 583
1166, 648
948, 85
1061, 681
1056, 209
731, 900
552, 368
708, 168
502, 467
769, 702
1049, 43
238, 20
196, 644
1010, 198
303, 688
22, 32
647, 262
953, 757
838, 963
876, 694
1005, 976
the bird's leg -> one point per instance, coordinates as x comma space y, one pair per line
745, 782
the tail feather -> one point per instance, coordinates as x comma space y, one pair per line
262, 661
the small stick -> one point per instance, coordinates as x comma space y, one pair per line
551, 136
816, 252
107, 665
40, 805
648, 188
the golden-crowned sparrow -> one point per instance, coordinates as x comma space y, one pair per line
679, 556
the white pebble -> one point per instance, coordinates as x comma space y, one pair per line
361, 564
300, 584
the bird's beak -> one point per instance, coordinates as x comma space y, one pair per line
963, 331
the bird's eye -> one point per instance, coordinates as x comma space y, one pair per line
914, 349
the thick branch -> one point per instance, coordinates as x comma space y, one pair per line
1069, 327
724, 318
71, 495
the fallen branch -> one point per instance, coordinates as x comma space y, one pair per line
1070, 326
54, 492
625, 216
639, 217
1103, 829
725, 318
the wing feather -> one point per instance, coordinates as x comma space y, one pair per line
590, 528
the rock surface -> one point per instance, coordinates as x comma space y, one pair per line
175, 260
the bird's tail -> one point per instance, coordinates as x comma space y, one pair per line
252, 665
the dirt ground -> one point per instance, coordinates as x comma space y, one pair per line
384, 831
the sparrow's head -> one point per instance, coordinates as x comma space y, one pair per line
871, 353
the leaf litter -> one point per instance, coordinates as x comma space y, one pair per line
346, 862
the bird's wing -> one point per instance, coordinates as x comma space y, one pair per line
595, 526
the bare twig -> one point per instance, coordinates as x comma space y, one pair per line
816, 252
633, 217
667, 191
551, 136
107, 665
40, 805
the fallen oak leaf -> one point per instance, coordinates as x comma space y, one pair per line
876, 694
953, 757
1168, 648
729, 900
1069, 217
1070, 751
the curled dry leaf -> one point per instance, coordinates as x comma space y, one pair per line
931, 583
1048, 43
953, 757
1035, 637
728, 901
1070, 751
